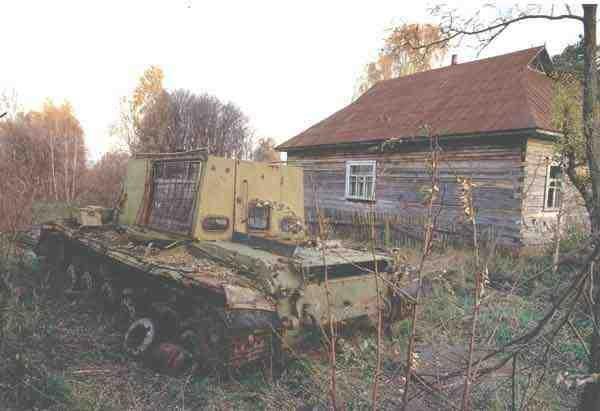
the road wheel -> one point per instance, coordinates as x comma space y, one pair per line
207, 343
90, 281
167, 319
170, 358
73, 274
108, 292
140, 337
54, 260
71, 277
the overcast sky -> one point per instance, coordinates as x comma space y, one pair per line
287, 64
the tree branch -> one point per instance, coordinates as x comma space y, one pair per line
453, 32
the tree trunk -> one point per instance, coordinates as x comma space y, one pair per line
53, 168
66, 179
75, 171
590, 400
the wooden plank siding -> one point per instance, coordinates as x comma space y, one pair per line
538, 225
496, 167
510, 178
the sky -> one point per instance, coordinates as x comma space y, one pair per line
286, 64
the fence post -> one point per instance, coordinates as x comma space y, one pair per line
387, 236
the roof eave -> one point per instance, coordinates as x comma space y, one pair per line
525, 132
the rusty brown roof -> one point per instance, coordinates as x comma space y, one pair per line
501, 93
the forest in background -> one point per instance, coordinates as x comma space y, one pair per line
43, 155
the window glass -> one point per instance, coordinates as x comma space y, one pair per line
554, 172
553, 187
360, 180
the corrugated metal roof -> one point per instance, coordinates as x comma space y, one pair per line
500, 93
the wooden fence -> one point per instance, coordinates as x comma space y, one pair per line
394, 230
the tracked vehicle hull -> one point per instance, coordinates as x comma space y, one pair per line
182, 297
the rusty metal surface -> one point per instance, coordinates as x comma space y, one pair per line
246, 298
170, 358
309, 257
248, 348
217, 341
177, 264
489, 95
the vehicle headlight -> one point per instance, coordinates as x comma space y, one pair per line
215, 223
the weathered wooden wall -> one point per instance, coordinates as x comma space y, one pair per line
538, 223
496, 166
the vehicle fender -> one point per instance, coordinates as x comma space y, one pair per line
238, 297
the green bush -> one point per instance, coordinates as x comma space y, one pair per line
574, 237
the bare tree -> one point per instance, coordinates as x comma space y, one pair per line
157, 120
42, 157
64, 138
9, 104
102, 183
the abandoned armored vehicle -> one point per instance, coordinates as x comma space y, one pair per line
208, 258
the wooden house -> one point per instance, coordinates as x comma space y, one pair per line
492, 119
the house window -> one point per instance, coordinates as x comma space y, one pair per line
553, 187
360, 180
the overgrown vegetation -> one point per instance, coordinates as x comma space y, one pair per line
66, 353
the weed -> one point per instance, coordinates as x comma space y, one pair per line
61, 356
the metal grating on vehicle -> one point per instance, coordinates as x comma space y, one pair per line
173, 195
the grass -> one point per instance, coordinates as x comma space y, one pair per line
61, 354
64, 354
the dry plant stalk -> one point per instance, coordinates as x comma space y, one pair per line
434, 191
379, 307
481, 276
557, 228
567, 299
322, 243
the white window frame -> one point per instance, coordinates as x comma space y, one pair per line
557, 193
368, 196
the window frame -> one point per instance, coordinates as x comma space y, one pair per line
557, 193
267, 210
349, 164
